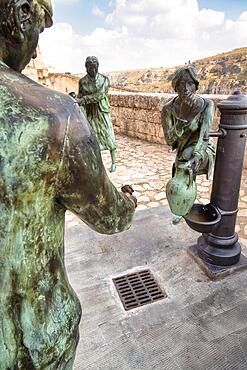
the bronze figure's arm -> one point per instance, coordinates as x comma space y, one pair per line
206, 123
81, 91
84, 187
168, 126
95, 97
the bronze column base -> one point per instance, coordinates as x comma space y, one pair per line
215, 272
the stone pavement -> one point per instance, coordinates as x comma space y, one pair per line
147, 167
201, 325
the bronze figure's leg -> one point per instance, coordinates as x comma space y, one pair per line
113, 161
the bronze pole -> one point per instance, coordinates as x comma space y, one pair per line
221, 246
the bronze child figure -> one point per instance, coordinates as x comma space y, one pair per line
186, 120
49, 162
93, 98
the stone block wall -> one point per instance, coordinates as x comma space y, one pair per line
63, 82
139, 115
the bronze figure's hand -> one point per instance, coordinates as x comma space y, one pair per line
194, 163
191, 106
128, 191
72, 94
81, 101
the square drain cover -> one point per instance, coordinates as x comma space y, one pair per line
138, 289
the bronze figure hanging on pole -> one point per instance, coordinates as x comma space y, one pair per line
186, 121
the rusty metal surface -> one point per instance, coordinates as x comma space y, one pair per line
138, 289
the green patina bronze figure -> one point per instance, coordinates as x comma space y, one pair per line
186, 121
93, 99
49, 162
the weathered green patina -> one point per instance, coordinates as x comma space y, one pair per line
49, 162
93, 99
186, 121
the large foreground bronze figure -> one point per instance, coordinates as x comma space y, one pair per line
49, 162
93, 99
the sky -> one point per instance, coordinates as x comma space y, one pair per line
135, 34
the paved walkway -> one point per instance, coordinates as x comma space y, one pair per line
147, 167
200, 325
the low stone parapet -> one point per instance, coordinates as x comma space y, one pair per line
139, 114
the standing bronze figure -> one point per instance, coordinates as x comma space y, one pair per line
93, 98
186, 121
49, 162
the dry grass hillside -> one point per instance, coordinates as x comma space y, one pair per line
219, 74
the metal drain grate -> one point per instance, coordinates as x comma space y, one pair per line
138, 289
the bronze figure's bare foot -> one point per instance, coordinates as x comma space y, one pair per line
113, 167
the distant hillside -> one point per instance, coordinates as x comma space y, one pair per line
219, 74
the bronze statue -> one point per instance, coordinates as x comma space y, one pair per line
186, 121
49, 162
93, 99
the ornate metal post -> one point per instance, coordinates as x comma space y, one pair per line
220, 248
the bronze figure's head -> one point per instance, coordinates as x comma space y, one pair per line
92, 66
21, 22
185, 81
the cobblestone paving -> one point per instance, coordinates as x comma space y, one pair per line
147, 167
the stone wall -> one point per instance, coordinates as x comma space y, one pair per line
64, 82
136, 115
36, 68
139, 114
